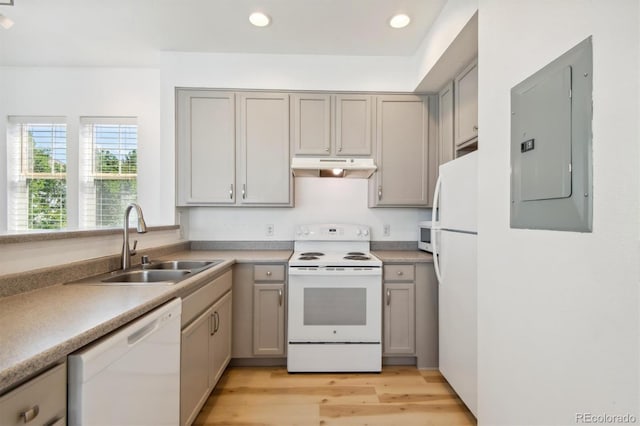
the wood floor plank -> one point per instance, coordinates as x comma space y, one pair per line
271, 396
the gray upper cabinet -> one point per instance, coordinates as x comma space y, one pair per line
263, 132
206, 148
353, 125
446, 144
331, 125
402, 152
232, 148
466, 105
311, 122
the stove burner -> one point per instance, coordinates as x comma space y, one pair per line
357, 257
312, 253
355, 253
308, 258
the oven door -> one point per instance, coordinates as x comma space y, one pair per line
335, 307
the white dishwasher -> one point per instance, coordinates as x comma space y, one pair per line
130, 377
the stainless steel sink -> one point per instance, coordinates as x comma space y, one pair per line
166, 272
181, 264
148, 276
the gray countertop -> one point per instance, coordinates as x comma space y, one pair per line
41, 327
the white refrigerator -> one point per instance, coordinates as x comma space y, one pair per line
455, 235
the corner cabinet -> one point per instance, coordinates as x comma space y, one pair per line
232, 148
402, 152
331, 125
205, 344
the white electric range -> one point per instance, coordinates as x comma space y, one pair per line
334, 300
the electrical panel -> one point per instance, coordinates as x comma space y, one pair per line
551, 112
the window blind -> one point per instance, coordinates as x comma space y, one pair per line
108, 169
37, 166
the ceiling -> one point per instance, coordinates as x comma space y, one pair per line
134, 32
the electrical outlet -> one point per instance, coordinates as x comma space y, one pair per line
269, 230
386, 230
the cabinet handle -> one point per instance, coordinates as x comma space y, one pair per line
388, 297
30, 414
380, 192
212, 327
340, 149
231, 192
400, 273
280, 297
216, 322
244, 191
268, 273
475, 128
326, 149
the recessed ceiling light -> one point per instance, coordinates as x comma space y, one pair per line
5, 22
399, 21
259, 19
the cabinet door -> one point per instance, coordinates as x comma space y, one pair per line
402, 152
265, 174
311, 117
353, 125
268, 319
446, 146
466, 105
194, 364
220, 338
399, 319
205, 132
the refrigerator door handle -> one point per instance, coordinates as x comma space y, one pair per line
435, 229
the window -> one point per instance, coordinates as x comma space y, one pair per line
37, 163
109, 168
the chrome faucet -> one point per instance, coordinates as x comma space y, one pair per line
127, 252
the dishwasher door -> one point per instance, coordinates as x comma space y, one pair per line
130, 377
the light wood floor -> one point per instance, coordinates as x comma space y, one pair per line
399, 396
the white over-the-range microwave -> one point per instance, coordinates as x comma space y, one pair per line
425, 235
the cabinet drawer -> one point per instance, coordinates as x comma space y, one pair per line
268, 273
201, 299
43, 399
399, 272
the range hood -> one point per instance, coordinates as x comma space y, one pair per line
332, 167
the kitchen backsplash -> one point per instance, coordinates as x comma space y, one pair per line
318, 200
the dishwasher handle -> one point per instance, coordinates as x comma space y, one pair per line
148, 329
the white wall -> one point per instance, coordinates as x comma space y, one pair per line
337, 200
558, 311
318, 200
76, 92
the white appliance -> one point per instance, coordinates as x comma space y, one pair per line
424, 236
455, 235
332, 167
130, 377
334, 301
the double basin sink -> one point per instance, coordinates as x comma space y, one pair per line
163, 272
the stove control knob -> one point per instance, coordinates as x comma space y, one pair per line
305, 231
359, 232
365, 232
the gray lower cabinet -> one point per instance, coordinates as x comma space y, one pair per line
399, 310
40, 401
205, 343
402, 152
259, 308
410, 314
232, 148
